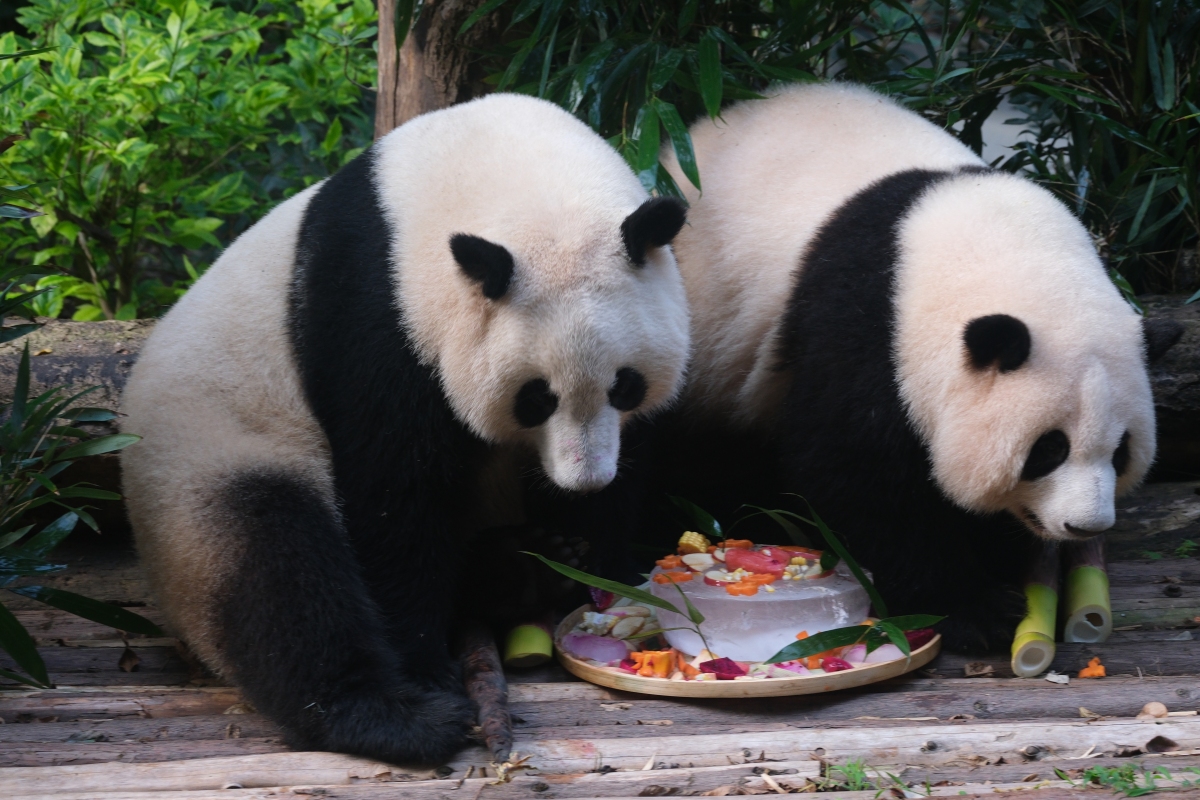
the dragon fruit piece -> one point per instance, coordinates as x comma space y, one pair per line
628, 665
833, 664
794, 666
919, 638
600, 598
855, 654
725, 669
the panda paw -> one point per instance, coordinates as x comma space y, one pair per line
405, 727
987, 625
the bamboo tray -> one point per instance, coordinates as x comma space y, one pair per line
770, 687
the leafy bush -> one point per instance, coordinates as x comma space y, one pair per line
1108, 90
167, 128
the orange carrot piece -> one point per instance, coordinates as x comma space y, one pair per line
742, 589
670, 562
738, 544
1094, 669
673, 577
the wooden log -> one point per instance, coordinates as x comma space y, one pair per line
58, 754
1119, 658
92, 666
146, 702
139, 729
487, 688
49, 626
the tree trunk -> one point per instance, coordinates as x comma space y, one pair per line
435, 68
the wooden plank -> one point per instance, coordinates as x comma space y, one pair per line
225, 726
58, 754
49, 626
1149, 571
638, 783
99, 666
1120, 658
113, 702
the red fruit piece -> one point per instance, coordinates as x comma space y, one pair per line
919, 638
600, 598
831, 664
726, 669
628, 665
754, 561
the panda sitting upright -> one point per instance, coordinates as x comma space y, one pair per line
364, 378
930, 351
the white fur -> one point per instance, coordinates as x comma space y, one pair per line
216, 389
554, 194
774, 170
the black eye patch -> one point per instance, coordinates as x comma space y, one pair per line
629, 390
535, 403
1047, 454
1121, 455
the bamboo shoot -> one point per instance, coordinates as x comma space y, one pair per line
1033, 645
1088, 608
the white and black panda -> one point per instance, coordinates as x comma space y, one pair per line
363, 377
931, 350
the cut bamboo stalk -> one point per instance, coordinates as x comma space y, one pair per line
488, 689
1088, 606
1033, 645
528, 646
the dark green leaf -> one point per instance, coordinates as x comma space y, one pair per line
19, 678
403, 20
703, 521
664, 69
693, 613
480, 13
819, 643
646, 135
895, 635
16, 411
17, 642
680, 139
687, 14
913, 622
50, 536
710, 74
101, 444
17, 331
96, 611
620, 589
836, 546
793, 531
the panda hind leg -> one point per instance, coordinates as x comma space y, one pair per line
307, 644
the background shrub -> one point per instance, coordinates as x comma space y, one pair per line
157, 131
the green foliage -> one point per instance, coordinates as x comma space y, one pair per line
1108, 91
155, 131
1133, 780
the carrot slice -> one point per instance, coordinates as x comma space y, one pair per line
673, 577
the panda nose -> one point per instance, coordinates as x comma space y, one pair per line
1088, 531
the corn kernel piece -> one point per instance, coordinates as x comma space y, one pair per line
692, 542
799, 561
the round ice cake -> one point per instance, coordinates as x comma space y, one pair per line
755, 599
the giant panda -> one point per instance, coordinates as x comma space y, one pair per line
366, 376
928, 351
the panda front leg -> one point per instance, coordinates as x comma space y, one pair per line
307, 641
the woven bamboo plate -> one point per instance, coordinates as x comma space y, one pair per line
771, 687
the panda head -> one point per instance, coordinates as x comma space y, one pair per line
574, 336
1021, 367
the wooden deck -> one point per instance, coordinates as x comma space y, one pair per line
137, 721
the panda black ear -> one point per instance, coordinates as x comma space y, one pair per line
997, 340
484, 262
1161, 335
654, 224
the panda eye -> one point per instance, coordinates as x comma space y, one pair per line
1121, 455
629, 390
1047, 454
535, 403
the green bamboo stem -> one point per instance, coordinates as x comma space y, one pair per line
528, 646
1033, 645
1087, 605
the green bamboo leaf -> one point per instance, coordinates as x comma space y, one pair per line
24, 53
664, 69
402, 20
89, 415
913, 622
703, 521
687, 14
19, 678
16, 411
96, 611
710, 74
1141, 213
693, 613
896, 635
101, 444
620, 589
819, 643
837, 547
480, 13
12, 537
50, 536
17, 642
680, 139
792, 530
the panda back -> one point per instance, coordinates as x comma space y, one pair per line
773, 171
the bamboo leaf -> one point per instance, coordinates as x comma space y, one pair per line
50, 536
792, 530
710, 74
480, 13
693, 613
94, 610
101, 444
637, 595
1141, 212
913, 622
17, 642
680, 139
819, 643
703, 521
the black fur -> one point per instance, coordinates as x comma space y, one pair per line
484, 262
398, 452
1048, 453
1161, 336
847, 444
1120, 459
654, 224
996, 340
535, 403
305, 639
628, 391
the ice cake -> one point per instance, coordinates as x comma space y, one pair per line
756, 599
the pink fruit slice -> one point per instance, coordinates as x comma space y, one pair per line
754, 561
